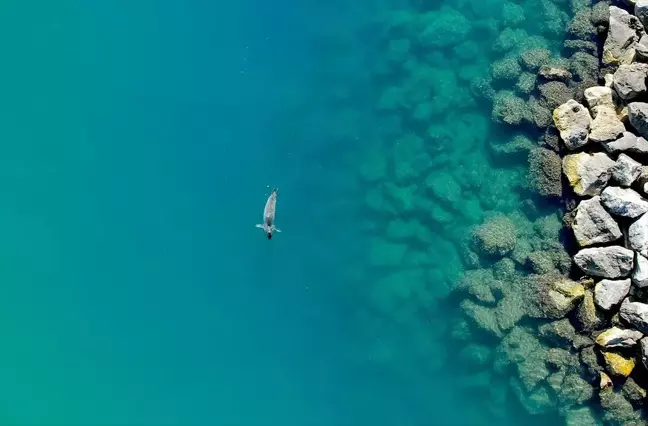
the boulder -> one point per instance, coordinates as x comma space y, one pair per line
606, 262
640, 272
587, 316
593, 224
623, 35
618, 365
556, 296
630, 80
598, 96
554, 73
545, 170
573, 122
642, 48
638, 117
641, 11
626, 170
638, 235
635, 314
623, 202
610, 293
588, 173
606, 127
616, 337
628, 142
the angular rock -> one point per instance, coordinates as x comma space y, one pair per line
587, 173
606, 262
630, 80
618, 365
573, 122
593, 224
610, 293
643, 347
623, 202
640, 272
641, 11
627, 143
616, 337
642, 48
587, 316
554, 73
635, 314
638, 236
626, 170
623, 34
606, 127
638, 117
598, 96
556, 296
633, 392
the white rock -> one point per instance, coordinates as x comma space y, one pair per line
624, 202
598, 96
623, 34
635, 314
628, 142
606, 127
616, 337
573, 122
609, 293
606, 262
587, 173
593, 224
630, 80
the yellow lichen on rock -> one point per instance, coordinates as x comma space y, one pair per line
571, 169
618, 365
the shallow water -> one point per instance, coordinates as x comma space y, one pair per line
141, 140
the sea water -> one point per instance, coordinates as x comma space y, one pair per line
139, 143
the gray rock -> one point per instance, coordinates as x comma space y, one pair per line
554, 73
593, 224
573, 122
638, 117
638, 235
609, 293
626, 170
643, 345
633, 392
635, 314
627, 143
606, 127
587, 173
623, 34
641, 11
630, 80
606, 262
616, 337
640, 272
624, 202
642, 48
554, 296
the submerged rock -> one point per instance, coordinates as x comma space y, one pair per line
610, 293
633, 392
618, 338
623, 34
587, 173
573, 122
587, 316
497, 236
545, 168
581, 416
593, 224
606, 262
626, 170
630, 80
635, 314
556, 296
624, 202
554, 73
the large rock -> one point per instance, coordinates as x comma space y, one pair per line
606, 127
635, 314
598, 96
638, 235
626, 170
610, 293
640, 272
587, 173
624, 202
628, 142
623, 35
616, 337
556, 296
630, 80
638, 117
593, 224
641, 11
573, 122
587, 316
606, 262
545, 172
617, 364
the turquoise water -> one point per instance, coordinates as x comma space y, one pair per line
141, 140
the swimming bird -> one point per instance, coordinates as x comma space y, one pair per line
269, 212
